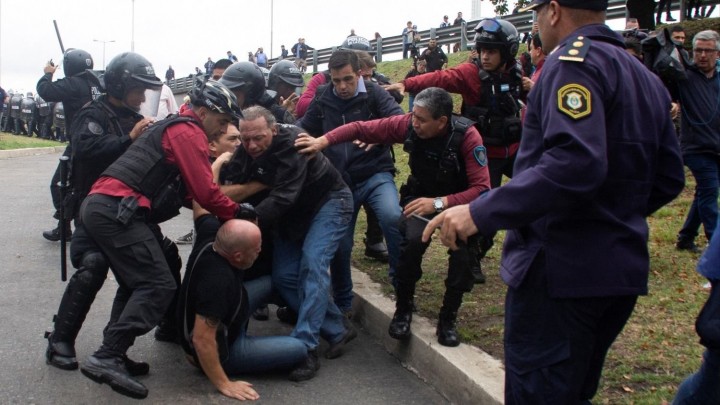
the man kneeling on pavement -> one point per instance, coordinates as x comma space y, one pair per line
216, 303
448, 167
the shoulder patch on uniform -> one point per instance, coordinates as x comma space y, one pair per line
576, 50
480, 154
574, 100
95, 128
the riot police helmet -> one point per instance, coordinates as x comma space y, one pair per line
76, 61
245, 77
357, 43
129, 71
214, 96
285, 71
495, 33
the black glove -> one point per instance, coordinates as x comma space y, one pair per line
246, 211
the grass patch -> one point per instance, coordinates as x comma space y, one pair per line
9, 141
658, 347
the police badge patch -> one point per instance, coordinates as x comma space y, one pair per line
95, 128
574, 101
480, 154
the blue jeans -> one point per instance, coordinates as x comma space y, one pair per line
704, 209
702, 387
256, 354
381, 193
300, 272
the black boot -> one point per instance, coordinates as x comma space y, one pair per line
400, 325
307, 369
112, 371
54, 234
74, 307
446, 329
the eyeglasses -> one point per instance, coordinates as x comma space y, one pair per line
701, 51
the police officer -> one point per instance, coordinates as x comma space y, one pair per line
44, 117
27, 114
75, 90
490, 88
599, 154
16, 114
286, 81
143, 187
103, 130
59, 123
247, 82
448, 167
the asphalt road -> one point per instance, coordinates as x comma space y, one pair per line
31, 290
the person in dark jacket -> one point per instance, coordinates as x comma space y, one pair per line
700, 137
103, 129
368, 173
598, 156
75, 90
312, 207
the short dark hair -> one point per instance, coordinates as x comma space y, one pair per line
342, 58
222, 64
437, 101
536, 42
677, 28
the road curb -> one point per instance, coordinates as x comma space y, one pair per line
15, 153
463, 374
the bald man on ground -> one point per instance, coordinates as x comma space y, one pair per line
214, 298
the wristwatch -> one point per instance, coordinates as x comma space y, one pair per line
438, 204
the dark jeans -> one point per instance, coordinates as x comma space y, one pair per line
412, 249
704, 209
138, 263
702, 387
555, 347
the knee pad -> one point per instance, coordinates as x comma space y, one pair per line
93, 269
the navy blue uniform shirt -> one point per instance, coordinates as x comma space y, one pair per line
598, 155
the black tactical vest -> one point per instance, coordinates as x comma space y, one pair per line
436, 165
144, 169
497, 114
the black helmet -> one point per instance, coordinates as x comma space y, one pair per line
357, 43
285, 71
215, 96
76, 61
246, 77
127, 71
494, 33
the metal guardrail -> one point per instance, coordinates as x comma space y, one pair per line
463, 34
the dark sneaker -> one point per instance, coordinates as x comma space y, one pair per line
336, 350
186, 239
377, 251
307, 369
136, 368
287, 315
688, 245
261, 314
112, 372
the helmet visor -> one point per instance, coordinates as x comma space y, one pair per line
489, 25
149, 108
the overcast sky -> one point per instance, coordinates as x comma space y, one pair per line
184, 33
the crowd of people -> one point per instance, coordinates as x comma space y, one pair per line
570, 155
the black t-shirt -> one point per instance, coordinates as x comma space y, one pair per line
214, 289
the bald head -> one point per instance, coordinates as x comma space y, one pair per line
239, 242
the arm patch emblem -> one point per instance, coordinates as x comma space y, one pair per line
574, 101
